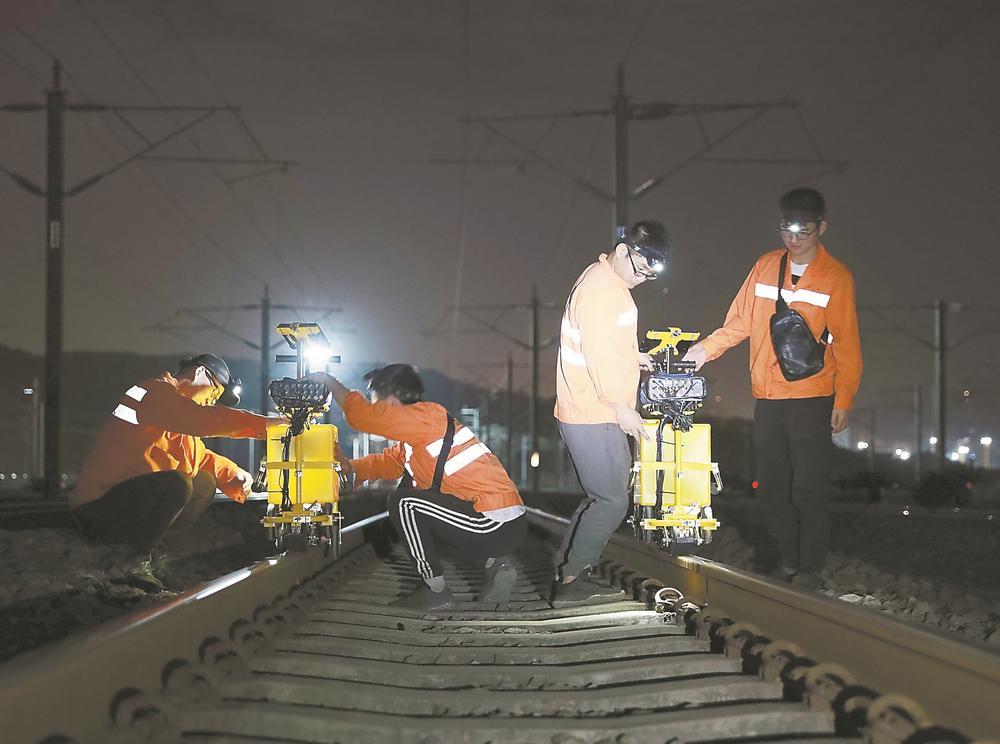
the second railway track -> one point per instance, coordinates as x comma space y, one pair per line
298, 650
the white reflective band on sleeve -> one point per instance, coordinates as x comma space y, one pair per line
770, 292
464, 457
125, 414
829, 337
409, 453
461, 437
572, 333
136, 393
628, 317
572, 357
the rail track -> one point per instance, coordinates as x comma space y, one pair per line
301, 649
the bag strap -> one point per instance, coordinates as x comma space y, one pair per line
781, 304
824, 337
449, 438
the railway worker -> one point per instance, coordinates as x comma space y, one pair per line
596, 385
148, 470
793, 419
455, 496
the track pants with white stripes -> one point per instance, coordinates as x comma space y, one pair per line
433, 524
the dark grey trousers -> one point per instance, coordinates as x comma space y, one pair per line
602, 457
793, 448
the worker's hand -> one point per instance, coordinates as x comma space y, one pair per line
245, 481
345, 465
838, 421
645, 361
630, 422
696, 354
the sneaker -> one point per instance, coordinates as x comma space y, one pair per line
163, 568
137, 572
808, 581
425, 599
582, 589
500, 580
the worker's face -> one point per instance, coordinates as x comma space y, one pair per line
207, 390
631, 266
801, 239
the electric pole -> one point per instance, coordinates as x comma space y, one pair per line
940, 344
487, 319
55, 193
55, 110
623, 113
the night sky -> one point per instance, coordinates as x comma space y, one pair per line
367, 94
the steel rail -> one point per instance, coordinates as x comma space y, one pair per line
952, 680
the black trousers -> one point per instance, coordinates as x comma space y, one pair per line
138, 512
793, 447
432, 524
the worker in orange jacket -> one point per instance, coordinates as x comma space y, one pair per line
596, 385
455, 495
148, 470
793, 419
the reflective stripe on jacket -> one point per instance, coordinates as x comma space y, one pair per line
155, 427
824, 296
471, 472
598, 351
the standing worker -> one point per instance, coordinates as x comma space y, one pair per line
596, 385
148, 470
804, 385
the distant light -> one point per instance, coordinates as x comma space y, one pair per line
906, 512
932, 440
755, 485
898, 452
3, 477
658, 267
29, 391
13, 476
986, 441
963, 449
863, 445
953, 456
535, 459
966, 393
904, 455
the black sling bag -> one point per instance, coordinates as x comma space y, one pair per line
799, 354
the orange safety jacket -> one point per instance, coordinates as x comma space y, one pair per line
471, 473
154, 428
598, 361
824, 296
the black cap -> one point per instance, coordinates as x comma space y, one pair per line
217, 368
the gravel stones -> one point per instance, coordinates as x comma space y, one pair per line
53, 582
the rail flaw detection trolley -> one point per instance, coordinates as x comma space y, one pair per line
300, 472
673, 476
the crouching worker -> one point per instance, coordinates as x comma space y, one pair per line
148, 470
456, 499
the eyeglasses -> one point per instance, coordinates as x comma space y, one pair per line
648, 274
795, 230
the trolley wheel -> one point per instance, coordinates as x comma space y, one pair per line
677, 548
640, 513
